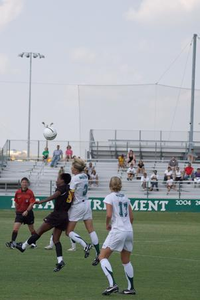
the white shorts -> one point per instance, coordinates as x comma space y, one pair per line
119, 240
80, 211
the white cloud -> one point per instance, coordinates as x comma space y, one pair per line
4, 63
159, 11
9, 10
82, 55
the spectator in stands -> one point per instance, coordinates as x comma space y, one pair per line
68, 153
61, 171
140, 169
173, 163
131, 157
94, 179
86, 172
57, 155
24, 201
192, 156
154, 181
188, 172
121, 162
145, 182
167, 173
90, 168
45, 154
197, 178
170, 184
178, 175
131, 172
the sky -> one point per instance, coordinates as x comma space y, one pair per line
109, 64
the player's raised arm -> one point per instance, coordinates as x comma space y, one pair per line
52, 197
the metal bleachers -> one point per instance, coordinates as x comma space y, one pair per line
43, 178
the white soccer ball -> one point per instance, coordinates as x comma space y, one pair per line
49, 133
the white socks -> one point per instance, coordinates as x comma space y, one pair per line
129, 272
75, 237
59, 258
107, 269
94, 238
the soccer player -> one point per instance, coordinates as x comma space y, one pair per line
81, 210
119, 219
24, 201
58, 219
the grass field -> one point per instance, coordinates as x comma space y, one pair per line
166, 260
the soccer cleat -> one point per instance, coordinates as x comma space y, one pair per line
95, 261
19, 247
49, 247
71, 249
10, 245
87, 250
111, 289
128, 292
59, 266
33, 246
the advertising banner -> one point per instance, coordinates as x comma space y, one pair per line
138, 204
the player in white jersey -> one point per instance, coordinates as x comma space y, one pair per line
81, 209
119, 219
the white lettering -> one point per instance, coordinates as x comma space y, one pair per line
163, 205
142, 204
13, 203
135, 205
49, 204
97, 204
153, 205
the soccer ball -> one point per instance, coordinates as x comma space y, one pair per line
49, 133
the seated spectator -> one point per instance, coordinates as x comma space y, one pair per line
170, 184
61, 171
90, 168
131, 157
86, 172
130, 172
140, 169
197, 177
145, 183
188, 172
121, 162
94, 179
154, 181
192, 156
45, 154
57, 155
68, 153
178, 175
173, 163
167, 173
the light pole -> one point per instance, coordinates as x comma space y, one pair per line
30, 55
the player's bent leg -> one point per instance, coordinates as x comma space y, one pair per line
107, 269
94, 239
129, 272
51, 244
33, 232
43, 228
77, 238
56, 239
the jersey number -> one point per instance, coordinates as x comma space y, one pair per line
85, 189
123, 209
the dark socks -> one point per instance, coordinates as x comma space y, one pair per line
33, 239
58, 249
14, 236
